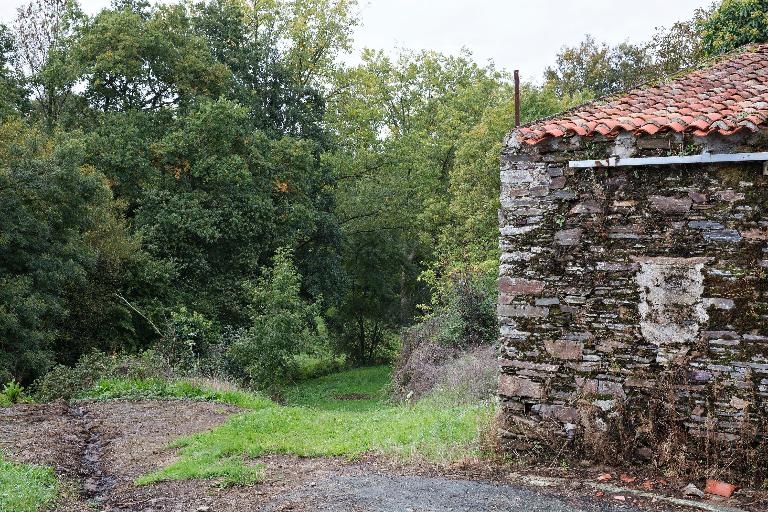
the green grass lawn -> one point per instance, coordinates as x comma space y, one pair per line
24, 487
315, 422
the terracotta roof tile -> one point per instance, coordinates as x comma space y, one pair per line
728, 96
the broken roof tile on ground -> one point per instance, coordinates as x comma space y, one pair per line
728, 96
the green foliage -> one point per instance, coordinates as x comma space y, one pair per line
320, 420
283, 325
280, 54
242, 195
13, 391
13, 100
599, 69
26, 487
369, 310
43, 33
734, 23
134, 59
189, 338
156, 388
63, 254
471, 236
309, 366
466, 301
398, 125
69, 382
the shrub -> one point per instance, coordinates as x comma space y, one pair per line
452, 347
417, 370
67, 382
426, 367
189, 340
465, 304
310, 366
282, 326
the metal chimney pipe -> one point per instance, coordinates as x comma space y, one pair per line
517, 98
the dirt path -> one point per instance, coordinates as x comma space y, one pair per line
100, 448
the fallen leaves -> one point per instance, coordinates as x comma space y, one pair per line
627, 479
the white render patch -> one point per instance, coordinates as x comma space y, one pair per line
671, 307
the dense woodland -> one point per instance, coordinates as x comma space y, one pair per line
208, 180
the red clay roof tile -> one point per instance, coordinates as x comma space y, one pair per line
725, 97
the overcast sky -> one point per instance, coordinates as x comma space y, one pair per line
523, 35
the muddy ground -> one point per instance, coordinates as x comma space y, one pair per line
99, 448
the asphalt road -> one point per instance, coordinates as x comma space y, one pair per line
389, 493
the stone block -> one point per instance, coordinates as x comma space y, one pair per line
729, 196
512, 386
670, 204
705, 224
718, 303
755, 234
557, 183
519, 286
588, 206
522, 311
723, 235
568, 236
561, 413
564, 349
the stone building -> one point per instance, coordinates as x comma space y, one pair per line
634, 256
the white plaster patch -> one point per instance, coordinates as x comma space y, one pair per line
671, 307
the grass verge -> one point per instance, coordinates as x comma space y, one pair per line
25, 487
344, 414
139, 389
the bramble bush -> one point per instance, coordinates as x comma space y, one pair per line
452, 347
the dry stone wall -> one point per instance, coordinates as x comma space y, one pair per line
613, 277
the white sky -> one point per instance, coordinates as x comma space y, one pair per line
516, 34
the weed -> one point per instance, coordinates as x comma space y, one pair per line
13, 392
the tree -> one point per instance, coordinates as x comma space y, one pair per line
679, 47
597, 67
13, 98
370, 308
734, 23
138, 58
283, 325
396, 124
470, 238
226, 198
43, 31
64, 255
600, 69
281, 54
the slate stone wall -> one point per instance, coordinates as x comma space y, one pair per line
611, 278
